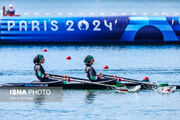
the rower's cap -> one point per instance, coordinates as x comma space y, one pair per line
10, 6
88, 58
40, 57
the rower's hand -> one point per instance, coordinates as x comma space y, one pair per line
100, 75
47, 75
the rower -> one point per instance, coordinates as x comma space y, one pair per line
91, 73
3, 12
11, 11
39, 70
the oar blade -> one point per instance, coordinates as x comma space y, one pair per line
126, 90
135, 88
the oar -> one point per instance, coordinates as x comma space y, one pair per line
121, 88
129, 80
65, 77
81, 80
47, 82
171, 87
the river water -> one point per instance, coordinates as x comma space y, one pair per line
159, 63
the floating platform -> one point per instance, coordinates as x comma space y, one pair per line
86, 30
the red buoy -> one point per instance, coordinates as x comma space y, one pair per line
68, 58
44, 50
105, 67
145, 78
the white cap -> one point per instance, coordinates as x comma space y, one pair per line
10, 5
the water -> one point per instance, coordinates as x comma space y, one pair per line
94, 7
103, 105
159, 63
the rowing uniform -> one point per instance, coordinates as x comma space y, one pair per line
11, 12
40, 74
91, 74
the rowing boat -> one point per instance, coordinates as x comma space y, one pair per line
71, 85
66, 82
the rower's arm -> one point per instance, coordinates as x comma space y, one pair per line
92, 74
40, 72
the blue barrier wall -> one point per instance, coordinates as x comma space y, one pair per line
119, 29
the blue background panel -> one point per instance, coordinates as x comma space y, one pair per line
117, 29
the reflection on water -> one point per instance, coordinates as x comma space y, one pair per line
39, 99
89, 104
90, 96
